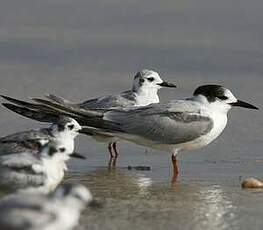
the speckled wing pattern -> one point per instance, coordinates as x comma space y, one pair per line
24, 141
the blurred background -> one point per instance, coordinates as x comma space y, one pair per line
83, 49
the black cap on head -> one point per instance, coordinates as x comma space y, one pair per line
211, 92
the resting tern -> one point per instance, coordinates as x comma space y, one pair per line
58, 211
41, 171
62, 132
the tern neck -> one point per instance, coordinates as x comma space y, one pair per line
146, 96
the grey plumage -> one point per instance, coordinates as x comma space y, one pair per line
32, 114
42, 170
171, 123
170, 118
63, 131
60, 210
24, 141
144, 91
124, 99
17, 171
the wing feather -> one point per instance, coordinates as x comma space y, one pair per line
163, 124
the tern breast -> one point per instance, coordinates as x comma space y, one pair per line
219, 123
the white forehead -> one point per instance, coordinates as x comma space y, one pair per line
150, 73
230, 95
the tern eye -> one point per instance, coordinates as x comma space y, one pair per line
141, 80
71, 127
223, 98
62, 150
150, 79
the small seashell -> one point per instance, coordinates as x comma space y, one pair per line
251, 183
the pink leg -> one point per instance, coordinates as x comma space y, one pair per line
114, 146
111, 155
175, 168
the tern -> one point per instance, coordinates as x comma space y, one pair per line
41, 171
144, 91
62, 132
60, 210
175, 126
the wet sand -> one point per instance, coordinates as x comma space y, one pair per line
134, 200
83, 49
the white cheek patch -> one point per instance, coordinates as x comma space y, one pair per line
157, 78
231, 97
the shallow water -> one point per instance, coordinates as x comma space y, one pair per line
135, 200
83, 49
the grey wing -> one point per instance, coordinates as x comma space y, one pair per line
18, 147
16, 171
163, 126
23, 141
27, 135
124, 99
21, 160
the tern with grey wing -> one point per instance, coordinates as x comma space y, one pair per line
144, 91
175, 126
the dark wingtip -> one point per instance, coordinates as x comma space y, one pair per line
5, 97
9, 105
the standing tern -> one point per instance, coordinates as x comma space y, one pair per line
144, 91
58, 211
175, 126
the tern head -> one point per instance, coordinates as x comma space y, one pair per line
51, 150
54, 150
149, 80
67, 125
221, 97
76, 192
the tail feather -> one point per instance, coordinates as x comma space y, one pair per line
32, 114
16, 101
27, 104
68, 108
48, 111
59, 100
